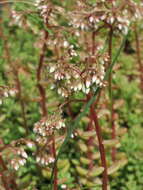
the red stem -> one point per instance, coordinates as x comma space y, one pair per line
139, 57
55, 169
90, 143
101, 148
39, 72
4, 179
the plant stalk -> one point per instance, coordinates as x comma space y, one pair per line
138, 51
101, 147
4, 180
55, 169
39, 76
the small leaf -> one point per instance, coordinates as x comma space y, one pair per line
116, 166
96, 171
62, 163
111, 143
75, 162
84, 160
66, 168
83, 147
96, 155
46, 173
81, 171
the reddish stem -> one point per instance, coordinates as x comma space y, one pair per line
4, 181
139, 57
101, 148
55, 169
39, 72
90, 143
4, 178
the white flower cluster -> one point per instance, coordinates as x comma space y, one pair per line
30, 144
101, 14
63, 186
71, 78
45, 160
6, 92
46, 126
16, 18
62, 43
22, 153
16, 163
19, 160
42, 6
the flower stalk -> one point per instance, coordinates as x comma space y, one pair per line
101, 147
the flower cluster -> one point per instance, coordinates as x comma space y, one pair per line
69, 78
48, 125
45, 160
16, 18
44, 8
17, 162
30, 144
101, 14
6, 92
20, 159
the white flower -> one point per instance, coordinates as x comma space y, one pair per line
52, 87
59, 91
51, 160
63, 186
30, 145
22, 162
43, 161
6, 94
77, 33
120, 27
24, 154
52, 69
103, 17
83, 89
94, 78
66, 44
88, 83
111, 20
91, 19
87, 90
16, 166
38, 159
12, 92
79, 86
82, 26
0, 102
